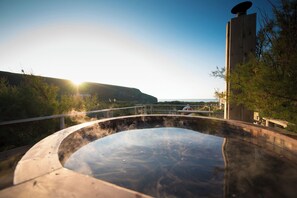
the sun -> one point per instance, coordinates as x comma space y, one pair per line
77, 82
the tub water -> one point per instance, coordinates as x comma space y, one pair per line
175, 162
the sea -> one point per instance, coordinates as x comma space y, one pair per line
188, 100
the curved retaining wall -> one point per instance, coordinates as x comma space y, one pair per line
40, 172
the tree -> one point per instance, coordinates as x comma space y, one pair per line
267, 83
34, 97
219, 73
8, 100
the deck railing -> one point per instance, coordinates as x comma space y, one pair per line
139, 109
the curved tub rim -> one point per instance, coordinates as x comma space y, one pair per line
41, 162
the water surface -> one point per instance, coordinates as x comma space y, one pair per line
174, 162
158, 162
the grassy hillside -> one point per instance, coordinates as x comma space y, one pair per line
105, 92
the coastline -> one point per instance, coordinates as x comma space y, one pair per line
188, 100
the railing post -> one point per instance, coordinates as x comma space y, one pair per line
144, 109
135, 110
62, 122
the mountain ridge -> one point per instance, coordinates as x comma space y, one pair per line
105, 92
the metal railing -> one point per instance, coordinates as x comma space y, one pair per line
107, 112
140, 109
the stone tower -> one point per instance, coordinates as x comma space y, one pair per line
240, 42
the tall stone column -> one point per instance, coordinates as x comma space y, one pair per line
240, 42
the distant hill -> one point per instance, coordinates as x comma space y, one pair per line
105, 92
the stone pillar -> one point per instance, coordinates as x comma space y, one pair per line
240, 42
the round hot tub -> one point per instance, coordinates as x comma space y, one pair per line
160, 156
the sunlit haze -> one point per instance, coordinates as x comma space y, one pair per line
165, 48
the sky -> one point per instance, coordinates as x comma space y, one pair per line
165, 48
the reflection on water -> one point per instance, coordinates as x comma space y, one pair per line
254, 172
159, 162
174, 162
